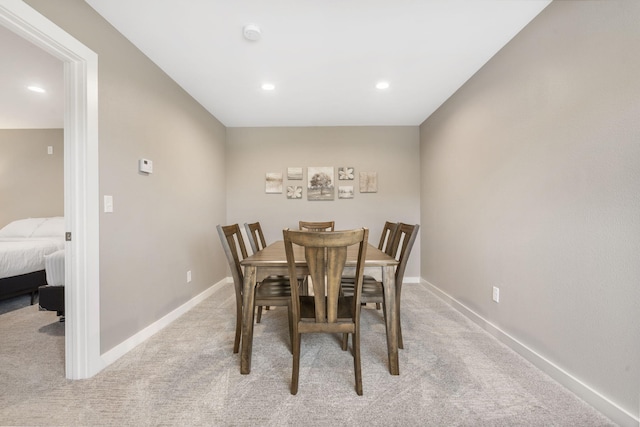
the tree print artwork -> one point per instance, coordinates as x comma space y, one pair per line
320, 184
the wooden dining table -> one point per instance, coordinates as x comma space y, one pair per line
272, 260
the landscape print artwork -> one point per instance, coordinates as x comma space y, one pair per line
320, 184
294, 173
273, 182
345, 192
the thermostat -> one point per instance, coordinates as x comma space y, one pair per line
145, 165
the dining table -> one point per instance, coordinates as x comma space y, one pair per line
272, 260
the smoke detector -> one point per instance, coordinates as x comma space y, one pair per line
251, 32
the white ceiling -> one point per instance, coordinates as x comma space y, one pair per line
324, 56
24, 64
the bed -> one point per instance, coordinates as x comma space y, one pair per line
24, 244
51, 295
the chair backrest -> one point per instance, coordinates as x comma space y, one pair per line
236, 251
401, 248
326, 255
256, 238
387, 236
317, 226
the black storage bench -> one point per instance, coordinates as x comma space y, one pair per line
51, 297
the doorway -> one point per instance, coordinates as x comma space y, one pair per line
81, 204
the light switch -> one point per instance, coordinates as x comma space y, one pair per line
108, 203
50, 149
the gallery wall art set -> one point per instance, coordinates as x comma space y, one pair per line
320, 182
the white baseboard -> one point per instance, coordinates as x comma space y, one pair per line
610, 409
126, 346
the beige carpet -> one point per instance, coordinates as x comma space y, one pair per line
451, 374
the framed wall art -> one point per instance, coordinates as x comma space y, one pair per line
345, 192
294, 192
320, 183
273, 182
294, 173
345, 173
368, 182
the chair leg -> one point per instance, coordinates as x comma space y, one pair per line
398, 293
236, 342
378, 306
295, 374
290, 315
259, 316
384, 316
356, 361
400, 343
345, 341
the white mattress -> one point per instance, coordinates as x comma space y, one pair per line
25, 255
54, 268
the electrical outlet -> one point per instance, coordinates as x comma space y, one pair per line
496, 294
188, 276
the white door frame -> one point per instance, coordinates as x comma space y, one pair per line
81, 196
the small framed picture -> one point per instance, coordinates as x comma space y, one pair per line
345, 192
294, 192
273, 182
345, 173
294, 173
368, 182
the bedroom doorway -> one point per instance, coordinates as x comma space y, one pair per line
81, 204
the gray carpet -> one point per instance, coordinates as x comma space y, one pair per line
451, 374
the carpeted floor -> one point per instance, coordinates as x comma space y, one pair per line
452, 373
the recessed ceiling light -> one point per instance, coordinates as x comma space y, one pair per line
268, 86
36, 89
382, 85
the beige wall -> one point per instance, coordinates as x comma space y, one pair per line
392, 152
163, 224
531, 182
31, 181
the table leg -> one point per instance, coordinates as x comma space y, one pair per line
248, 296
388, 283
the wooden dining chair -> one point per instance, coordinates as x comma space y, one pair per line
317, 226
255, 236
258, 243
385, 245
327, 310
267, 293
372, 290
386, 238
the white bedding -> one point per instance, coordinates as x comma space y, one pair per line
21, 256
24, 244
54, 268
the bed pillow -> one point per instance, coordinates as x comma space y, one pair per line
51, 227
21, 227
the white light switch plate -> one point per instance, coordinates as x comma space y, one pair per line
108, 203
